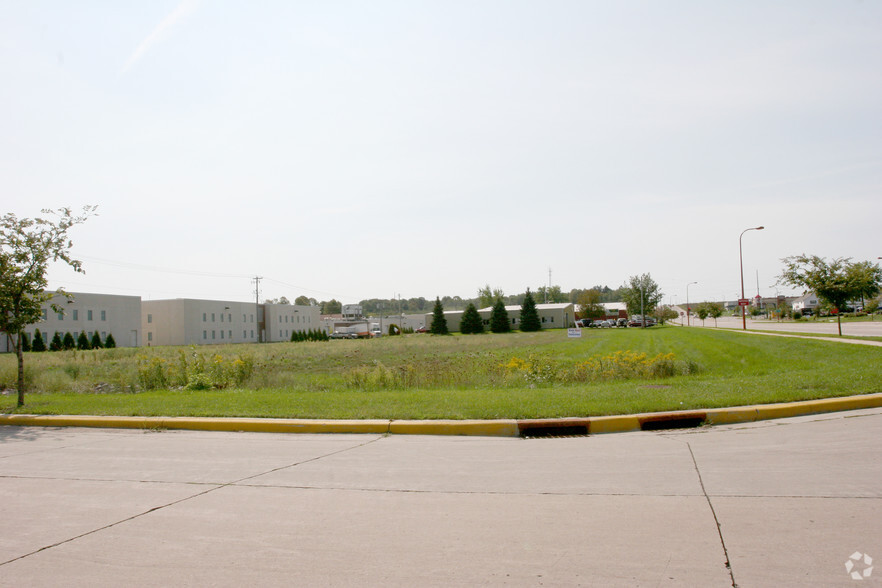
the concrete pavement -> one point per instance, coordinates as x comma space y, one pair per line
782, 503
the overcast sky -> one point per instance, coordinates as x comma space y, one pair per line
368, 149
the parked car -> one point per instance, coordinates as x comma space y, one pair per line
421, 330
584, 323
622, 322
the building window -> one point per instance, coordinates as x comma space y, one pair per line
204, 335
149, 318
252, 320
244, 318
213, 334
222, 317
222, 331
88, 315
61, 316
212, 317
244, 334
149, 337
45, 314
104, 334
230, 333
103, 315
76, 315
252, 333
204, 317
229, 317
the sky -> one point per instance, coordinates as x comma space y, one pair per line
358, 150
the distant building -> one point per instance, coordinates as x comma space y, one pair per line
806, 302
187, 321
105, 314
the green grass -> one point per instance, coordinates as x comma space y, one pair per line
420, 376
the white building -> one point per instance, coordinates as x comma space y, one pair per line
806, 302
551, 316
105, 314
187, 321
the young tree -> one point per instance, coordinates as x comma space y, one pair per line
488, 296
715, 310
439, 321
27, 247
25, 343
703, 312
39, 344
529, 315
499, 322
67, 342
835, 282
590, 304
83, 342
96, 341
641, 295
665, 313
110, 342
56, 344
472, 323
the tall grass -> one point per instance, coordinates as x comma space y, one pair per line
421, 376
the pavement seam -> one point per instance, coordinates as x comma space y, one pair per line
179, 501
714, 513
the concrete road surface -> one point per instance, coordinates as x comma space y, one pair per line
826, 325
775, 503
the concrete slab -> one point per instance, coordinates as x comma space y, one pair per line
621, 464
283, 536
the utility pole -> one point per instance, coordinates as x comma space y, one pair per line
549, 285
256, 281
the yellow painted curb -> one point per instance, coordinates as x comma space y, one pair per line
614, 424
495, 428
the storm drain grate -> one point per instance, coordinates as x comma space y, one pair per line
672, 423
555, 431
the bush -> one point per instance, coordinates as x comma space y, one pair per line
797, 315
38, 344
83, 342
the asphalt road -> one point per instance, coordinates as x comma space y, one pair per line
774, 503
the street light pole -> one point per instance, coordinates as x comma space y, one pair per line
741, 260
688, 310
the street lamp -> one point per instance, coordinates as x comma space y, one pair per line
741, 260
688, 310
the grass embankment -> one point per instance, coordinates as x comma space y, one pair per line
521, 375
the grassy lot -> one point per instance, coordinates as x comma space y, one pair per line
520, 375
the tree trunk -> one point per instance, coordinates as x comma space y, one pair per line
839, 323
20, 355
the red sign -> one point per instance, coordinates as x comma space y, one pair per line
743, 302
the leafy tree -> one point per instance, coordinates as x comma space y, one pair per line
551, 295
641, 294
39, 344
703, 312
394, 330
590, 305
332, 306
83, 342
487, 296
110, 342
56, 344
67, 342
96, 341
715, 311
27, 247
302, 301
472, 323
529, 315
439, 321
499, 322
665, 313
835, 282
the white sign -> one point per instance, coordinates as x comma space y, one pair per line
574, 333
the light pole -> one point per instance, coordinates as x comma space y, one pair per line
741, 260
688, 310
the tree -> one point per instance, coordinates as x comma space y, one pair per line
96, 341
529, 315
67, 342
39, 344
665, 313
27, 247
25, 343
487, 296
110, 342
56, 343
641, 295
83, 342
439, 321
499, 322
715, 310
472, 323
835, 282
590, 305
703, 312
550, 295
302, 301
332, 306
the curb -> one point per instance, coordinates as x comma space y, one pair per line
486, 428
